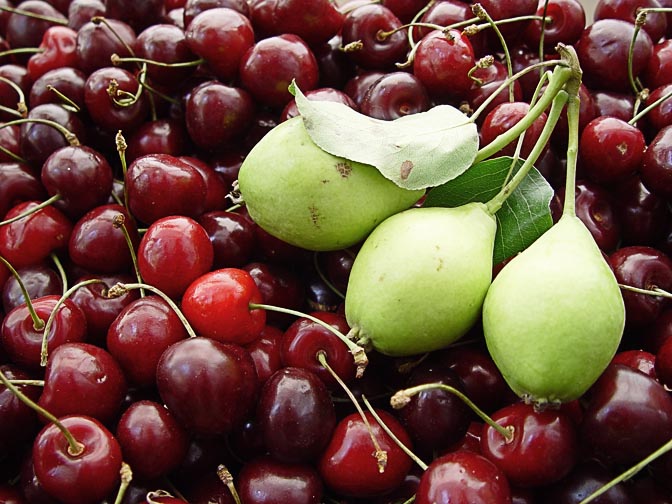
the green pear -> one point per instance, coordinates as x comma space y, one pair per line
554, 315
309, 198
418, 282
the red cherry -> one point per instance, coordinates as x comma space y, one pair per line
58, 50
502, 118
18, 422
265, 352
97, 42
85, 478
640, 360
348, 465
217, 305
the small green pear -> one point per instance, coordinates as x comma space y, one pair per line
554, 315
418, 282
309, 198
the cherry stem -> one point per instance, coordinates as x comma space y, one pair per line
389, 432
67, 102
121, 288
70, 137
544, 20
101, 19
653, 291
119, 222
379, 454
9, 153
61, 271
361, 360
156, 494
33, 210
21, 50
225, 476
629, 473
58, 21
631, 51
323, 277
118, 60
554, 114
32, 383
38, 323
21, 108
648, 108
402, 397
126, 478
121, 145
54, 312
75, 448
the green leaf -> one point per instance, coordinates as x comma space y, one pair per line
524, 216
415, 151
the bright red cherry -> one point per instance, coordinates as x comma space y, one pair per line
57, 51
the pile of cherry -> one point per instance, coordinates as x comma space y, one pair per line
124, 124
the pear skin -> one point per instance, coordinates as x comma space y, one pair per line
418, 282
311, 199
554, 315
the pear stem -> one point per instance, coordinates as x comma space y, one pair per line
357, 351
402, 397
629, 473
573, 111
389, 432
38, 323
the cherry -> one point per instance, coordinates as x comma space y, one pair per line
209, 386
335, 67
31, 239
295, 415
137, 14
304, 339
655, 172
80, 12
269, 66
216, 187
217, 114
442, 63
543, 449
656, 22
615, 104
98, 40
640, 360
603, 50
315, 21
162, 136
140, 334
463, 477
31, 488
152, 441
488, 81
27, 31
18, 422
57, 50
216, 28
10, 138
565, 21
644, 268
217, 304
348, 465
39, 140
267, 481
232, 236
661, 115
170, 241
365, 27
504, 10
658, 71
395, 95
81, 478
192, 8
18, 75
83, 379
265, 352
502, 118
320, 94
623, 398
67, 81
357, 86
152, 175
39, 280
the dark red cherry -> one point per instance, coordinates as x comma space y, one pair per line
67, 81
357, 86
97, 41
644, 216
10, 138
98, 243
17, 74
565, 21
80, 12
348, 465
216, 187
486, 82
162, 136
85, 478
169, 242
320, 94
232, 236
655, 170
661, 115
137, 14
658, 71
210, 387
616, 104
140, 334
395, 95
463, 477
295, 415
655, 24
165, 43
265, 352
335, 67
502, 118
151, 439
83, 379
193, 8
640, 360
27, 31
267, 481
31, 239
39, 280
543, 448
502, 10
18, 422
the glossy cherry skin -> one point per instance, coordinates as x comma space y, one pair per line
268, 68
172, 241
23, 343
210, 387
656, 22
27, 31
603, 54
138, 15
544, 447
304, 339
216, 186
152, 175
502, 118
80, 12
10, 138
217, 305
655, 170
163, 136
220, 27
395, 95
58, 50
319, 94
645, 268
97, 42
489, 80
83, 479
364, 24
193, 8
18, 422
140, 334
17, 74
643, 215
586, 478
566, 20
348, 466
659, 70
627, 417
81, 176
232, 236
68, 81
83, 379
217, 114
463, 477
295, 415
661, 115
39, 280
442, 62
641, 360
151, 439
267, 481
265, 352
